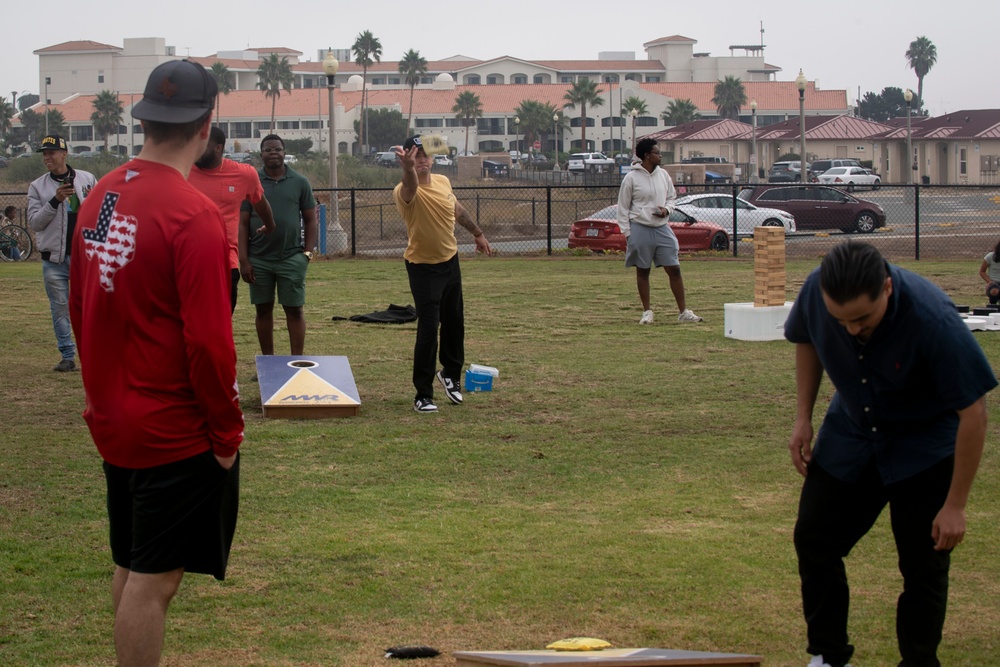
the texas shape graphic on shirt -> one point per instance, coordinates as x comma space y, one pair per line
112, 241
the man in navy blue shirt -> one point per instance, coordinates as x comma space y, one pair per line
905, 427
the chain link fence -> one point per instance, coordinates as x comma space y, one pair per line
922, 221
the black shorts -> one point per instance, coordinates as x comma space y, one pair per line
181, 515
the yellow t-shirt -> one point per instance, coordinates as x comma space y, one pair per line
430, 222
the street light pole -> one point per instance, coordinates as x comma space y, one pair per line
517, 134
335, 233
555, 140
800, 83
908, 96
48, 80
754, 178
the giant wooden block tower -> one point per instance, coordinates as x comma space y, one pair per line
768, 266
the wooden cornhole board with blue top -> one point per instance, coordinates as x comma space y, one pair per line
303, 387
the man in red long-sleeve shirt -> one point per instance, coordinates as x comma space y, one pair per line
149, 304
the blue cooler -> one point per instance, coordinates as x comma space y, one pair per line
478, 381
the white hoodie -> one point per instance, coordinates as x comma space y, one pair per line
640, 196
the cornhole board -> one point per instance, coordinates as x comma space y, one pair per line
306, 387
612, 657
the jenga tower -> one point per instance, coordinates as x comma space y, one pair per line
768, 266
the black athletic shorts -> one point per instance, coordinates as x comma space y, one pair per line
178, 515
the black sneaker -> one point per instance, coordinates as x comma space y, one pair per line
64, 366
424, 405
450, 388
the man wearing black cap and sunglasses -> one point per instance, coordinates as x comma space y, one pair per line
53, 202
151, 312
430, 211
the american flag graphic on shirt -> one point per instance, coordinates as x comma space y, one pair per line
112, 241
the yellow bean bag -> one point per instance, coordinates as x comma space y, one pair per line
579, 644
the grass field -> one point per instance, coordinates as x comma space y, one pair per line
624, 482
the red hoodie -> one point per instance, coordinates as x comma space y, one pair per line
149, 303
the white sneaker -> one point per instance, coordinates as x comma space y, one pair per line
647, 317
817, 661
688, 316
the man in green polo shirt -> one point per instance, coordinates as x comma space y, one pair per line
278, 261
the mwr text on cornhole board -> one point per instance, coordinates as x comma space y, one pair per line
307, 387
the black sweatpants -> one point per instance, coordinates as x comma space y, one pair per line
833, 517
437, 297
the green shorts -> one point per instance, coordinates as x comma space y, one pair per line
288, 275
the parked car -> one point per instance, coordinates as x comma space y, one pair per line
291, 159
818, 207
599, 232
443, 161
712, 177
493, 168
786, 172
849, 177
386, 159
589, 162
704, 159
718, 208
820, 166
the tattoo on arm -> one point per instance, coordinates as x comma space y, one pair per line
463, 218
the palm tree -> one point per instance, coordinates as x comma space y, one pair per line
467, 108
226, 82
6, 114
583, 92
367, 51
922, 56
107, 115
412, 66
679, 112
729, 97
273, 75
633, 103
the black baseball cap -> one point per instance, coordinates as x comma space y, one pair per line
411, 142
52, 142
179, 91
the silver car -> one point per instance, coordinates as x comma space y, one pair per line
718, 208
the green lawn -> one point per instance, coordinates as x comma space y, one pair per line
623, 482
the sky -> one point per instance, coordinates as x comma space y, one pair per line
842, 45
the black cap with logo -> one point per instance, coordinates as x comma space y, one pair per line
179, 91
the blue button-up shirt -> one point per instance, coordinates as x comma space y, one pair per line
898, 394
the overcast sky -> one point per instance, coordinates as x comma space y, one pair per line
842, 45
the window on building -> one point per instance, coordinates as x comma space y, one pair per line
645, 121
652, 78
491, 146
631, 77
288, 124
137, 129
393, 80
307, 82
963, 161
426, 79
311, 124
453, 122
81, 133
538, 78
240, 130
472, 80
428, 122
100, 78
565, 79
612, 121
494, 80
490, 126
610, 78
261, 129
575, 122
519, 78
378, 81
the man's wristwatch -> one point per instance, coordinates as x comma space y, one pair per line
308, 254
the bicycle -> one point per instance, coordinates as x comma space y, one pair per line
15, 243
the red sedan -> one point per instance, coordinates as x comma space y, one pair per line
600, 231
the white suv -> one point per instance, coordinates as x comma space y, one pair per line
589, 162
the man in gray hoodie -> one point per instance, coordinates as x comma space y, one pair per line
53, 202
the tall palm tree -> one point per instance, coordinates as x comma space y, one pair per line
679, 112
367, 51
226, 82
584, 92
640, 108
273, 75
921, 56
6, 115
412, 66
468, 108
729, 97
107, 115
